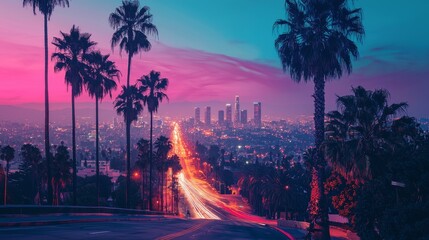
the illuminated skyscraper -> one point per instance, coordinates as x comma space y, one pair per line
221, 117
237, 110
228, 114
257, 114
208, 116
243, 117
197, 115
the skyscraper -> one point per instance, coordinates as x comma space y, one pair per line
221, 117
243, 117
228, 114
257, 114
208, 116
197, 116
237, 110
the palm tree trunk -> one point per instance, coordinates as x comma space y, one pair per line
128, 133
47, 143
97, 163
162, 186
36, 180
74, 149
127, 194
5, 183
150, 163
319, 116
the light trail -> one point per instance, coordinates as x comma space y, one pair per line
205, 201
192, 191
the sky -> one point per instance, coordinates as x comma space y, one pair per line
213, 50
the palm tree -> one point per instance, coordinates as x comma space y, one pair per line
62, 166
359, 132
71, 49
32, 156
174, 163
129, 96
132, 24
99, 83
142, 163
316, 46
152, 88
163, 146
7, 154
46, 7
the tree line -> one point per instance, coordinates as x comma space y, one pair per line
86, 68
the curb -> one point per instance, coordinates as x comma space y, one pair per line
73, 221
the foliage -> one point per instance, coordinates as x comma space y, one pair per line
87, 188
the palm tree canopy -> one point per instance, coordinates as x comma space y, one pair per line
132, 25
152, 88
136, 99
174, 163
31, 154
143, 149
7, 153
359, 130
46, 7
71, 49
62, 165
317, 38
163, 145
101, 76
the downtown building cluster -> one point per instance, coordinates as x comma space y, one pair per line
230, 117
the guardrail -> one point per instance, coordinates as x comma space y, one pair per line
39, 210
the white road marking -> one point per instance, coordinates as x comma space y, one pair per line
101, 232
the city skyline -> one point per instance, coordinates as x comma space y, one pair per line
248, 68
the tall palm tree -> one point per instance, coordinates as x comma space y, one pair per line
132, 24
152, 88
71, 49
317, 46
46, 7
163, 145
7, 154
359, 132
99, 83
129, 96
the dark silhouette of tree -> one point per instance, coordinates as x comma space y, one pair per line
163, 146
99, 83
7, 154
129, 96
46, 7
132, 24
31, 172
152, 87
142, 164
316, 46
62, 175
358, 132
69, 57
173, 162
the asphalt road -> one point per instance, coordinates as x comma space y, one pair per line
162, 229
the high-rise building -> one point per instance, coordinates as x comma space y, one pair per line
257, 114
228, 114
221, 117
237, 109
208, 116
243, 117
197, 116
